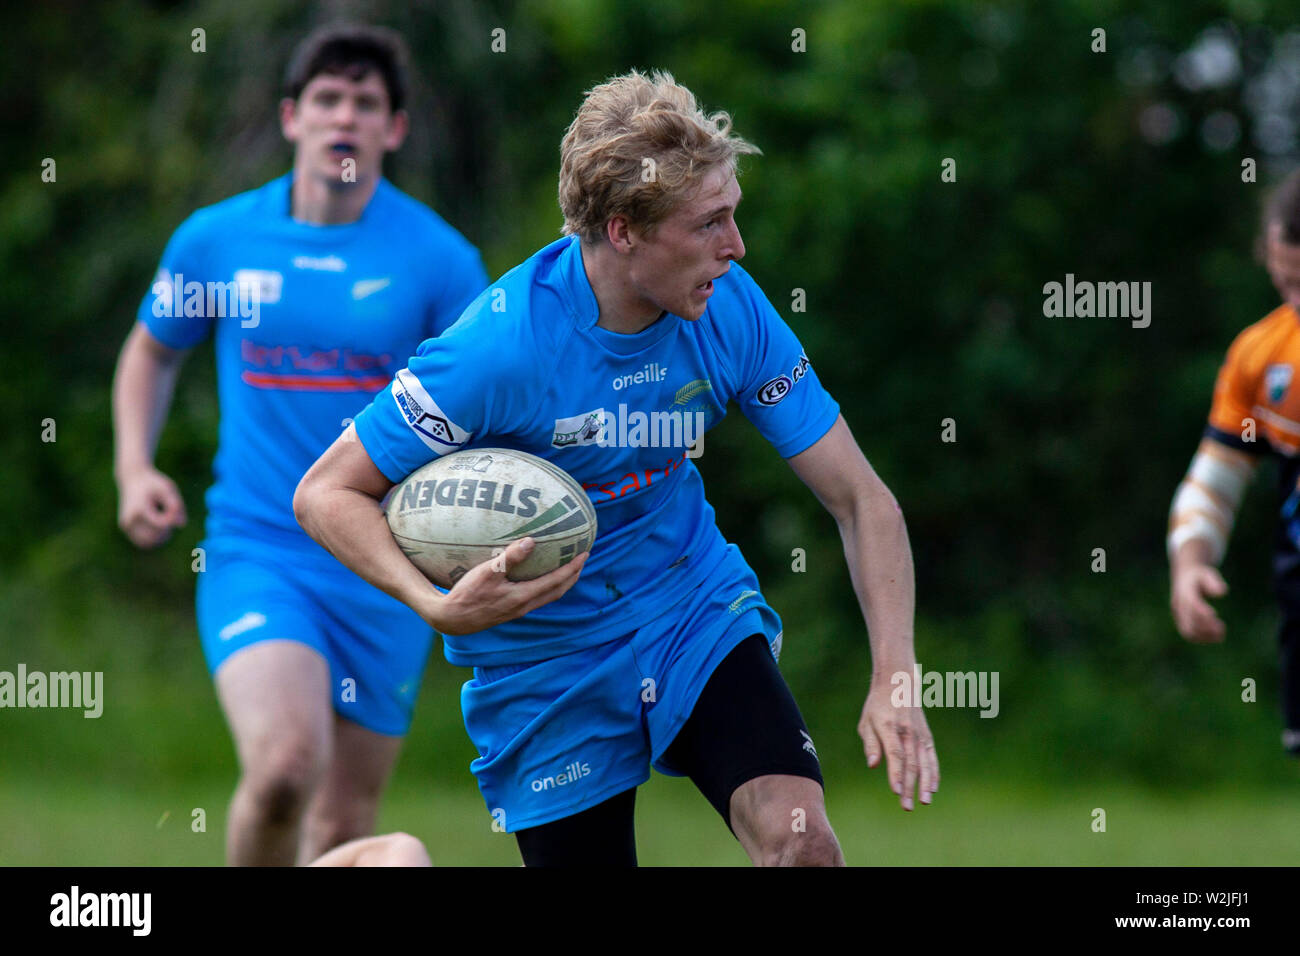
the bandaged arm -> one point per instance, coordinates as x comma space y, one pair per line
1205, 505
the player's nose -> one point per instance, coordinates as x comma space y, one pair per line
345, 114
734, 248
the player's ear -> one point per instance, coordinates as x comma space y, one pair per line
289, 119
619, 233
399, 124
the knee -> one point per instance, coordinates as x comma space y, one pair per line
281, 783
814, 845
405, 850
333, 825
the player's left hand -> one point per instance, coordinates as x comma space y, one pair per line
903, 737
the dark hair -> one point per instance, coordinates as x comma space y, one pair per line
351, 50
1282, 207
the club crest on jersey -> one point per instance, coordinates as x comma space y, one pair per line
423, 415
1277, 379
584, 429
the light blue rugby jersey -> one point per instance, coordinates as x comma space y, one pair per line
526, 367
339, 310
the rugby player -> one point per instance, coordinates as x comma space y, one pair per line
1255, 414
339, 276
656, 648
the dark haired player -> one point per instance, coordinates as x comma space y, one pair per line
1255, 413
315, 289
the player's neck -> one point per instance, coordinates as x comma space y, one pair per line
323, 203
622, 310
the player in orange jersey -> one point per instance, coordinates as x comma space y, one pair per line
1256, 412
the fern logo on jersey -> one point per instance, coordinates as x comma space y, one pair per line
1277, 379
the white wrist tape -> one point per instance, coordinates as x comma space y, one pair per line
1205, 505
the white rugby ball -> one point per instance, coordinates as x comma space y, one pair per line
463, 509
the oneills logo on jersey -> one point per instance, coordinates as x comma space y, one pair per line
574, 771
426, 419
320, 263
584, 429
1277, 379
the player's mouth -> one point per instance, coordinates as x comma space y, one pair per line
706, 288
343, 149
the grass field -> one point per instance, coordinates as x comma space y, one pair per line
1143, 741
971, 823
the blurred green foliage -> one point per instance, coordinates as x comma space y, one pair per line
924, 302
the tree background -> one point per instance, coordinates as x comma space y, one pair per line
924, 301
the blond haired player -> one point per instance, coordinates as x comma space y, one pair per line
663, 652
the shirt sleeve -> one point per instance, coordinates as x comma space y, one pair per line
462, 285
163, 310
460, 387
775, 384
1235, 390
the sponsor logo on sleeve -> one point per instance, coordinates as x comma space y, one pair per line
775, 389
423, 415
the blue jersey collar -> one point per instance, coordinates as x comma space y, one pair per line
586, 310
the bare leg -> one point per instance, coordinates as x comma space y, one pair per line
781, 820
344, 806
276, 697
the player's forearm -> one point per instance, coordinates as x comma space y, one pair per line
880, 566
1192, 552
1205, 505
142, 393
350, 525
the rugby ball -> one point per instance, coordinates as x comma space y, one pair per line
463, 509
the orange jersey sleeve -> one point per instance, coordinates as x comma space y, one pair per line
1257, 392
